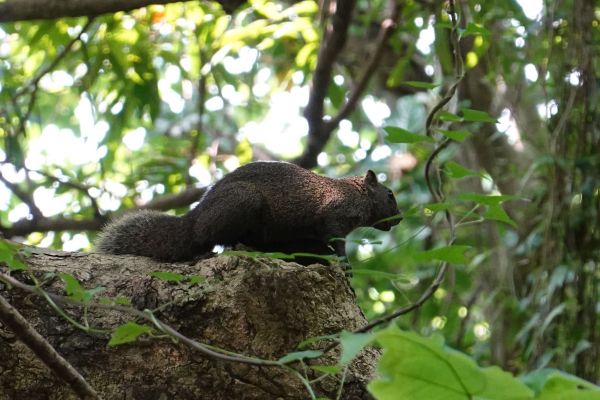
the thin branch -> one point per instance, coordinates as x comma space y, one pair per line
319, 129
24, 196
85, 189
21, 10
65, 50
45, 224
333, 42
200, 126
388, 26
11, 317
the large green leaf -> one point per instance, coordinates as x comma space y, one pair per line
128, 332
352, 344
417, 368
454, 254
399, 135
551, 384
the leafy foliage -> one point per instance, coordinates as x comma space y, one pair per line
414, 367
127, 333
151, 101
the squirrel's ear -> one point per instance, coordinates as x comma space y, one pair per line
370, 179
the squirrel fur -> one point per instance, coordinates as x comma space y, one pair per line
268, 206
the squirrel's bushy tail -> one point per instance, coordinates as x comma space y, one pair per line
147, 233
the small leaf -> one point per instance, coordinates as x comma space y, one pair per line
299, 355
458, 136
474, 29
551, 384
9, 254
454, 254
168, 276
399, 135
128, 332
449, 117
477, 116
352, 344
380, 274
328, 369
422, 85
75, 290
193, 279
489, 200
314, 339
457, 171
436, 207
497, 213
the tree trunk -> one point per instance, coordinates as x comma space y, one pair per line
256, 307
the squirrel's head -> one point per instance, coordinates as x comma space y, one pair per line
384, 209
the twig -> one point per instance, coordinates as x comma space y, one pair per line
35, 81
200, 126
32, 85
320, 130
44, 224
75, 185
388, 26
25, 197
333, 42
11, 317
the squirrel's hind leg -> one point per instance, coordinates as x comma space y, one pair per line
227, 215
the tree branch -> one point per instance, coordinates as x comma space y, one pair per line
24, 196
320, 130
43, 224
11, 317
387, 28
65, 50
21, 10
333, 42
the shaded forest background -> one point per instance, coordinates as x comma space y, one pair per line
103, 114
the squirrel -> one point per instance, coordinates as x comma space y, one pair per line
270, 206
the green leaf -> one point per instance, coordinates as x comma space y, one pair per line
474, 29
168, 276
459, 135
416, 368
314, 339
488, 200
9, 254
454, 254
76, 291
119, 300
193, 279
399, 135
436, 207
477, 116
299, 355
352, 344
380, 274
551, 384
449, 117
328, 369
497, 213
128, 332
421, 85
457, 171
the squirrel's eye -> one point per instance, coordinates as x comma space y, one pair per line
390, 194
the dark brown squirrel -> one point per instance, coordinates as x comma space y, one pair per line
268, 206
